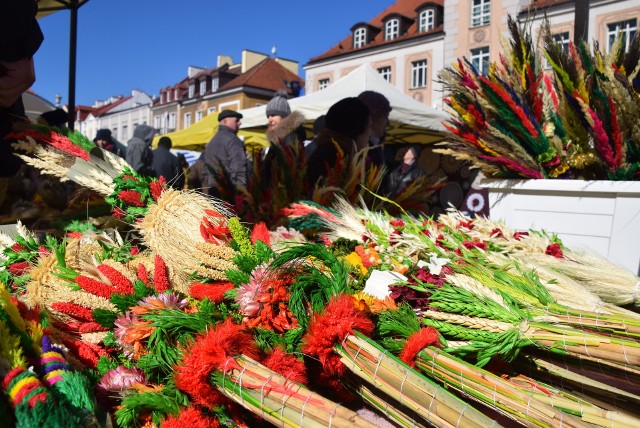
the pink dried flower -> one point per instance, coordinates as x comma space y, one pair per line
247, 293
121, 379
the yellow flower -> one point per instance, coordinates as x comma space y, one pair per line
354, 260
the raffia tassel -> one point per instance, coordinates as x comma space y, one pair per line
171, 227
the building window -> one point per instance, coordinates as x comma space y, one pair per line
211, 110
172, 121
168, 96
323, 84
192, 90
480, 12
162, 95
125, 132
215, 84
392, 29
385, 72
626, 29
198, 115
156, 122
427, 20
359, 37
187, 120
480, 59
176, 95
562, 40
419, 74
203, 87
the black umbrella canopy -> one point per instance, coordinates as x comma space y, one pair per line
47, 7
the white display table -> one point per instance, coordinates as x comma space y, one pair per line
603, 216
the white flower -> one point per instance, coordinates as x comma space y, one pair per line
434, 265
379, 281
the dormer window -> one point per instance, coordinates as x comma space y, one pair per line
192, 90
427, 20
392, 29
203, 87
168, 96
176, 95
359, 37
215, 83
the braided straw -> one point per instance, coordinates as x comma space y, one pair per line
474, 286
470, 322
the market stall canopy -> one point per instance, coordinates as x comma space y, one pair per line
47, 7
411, 121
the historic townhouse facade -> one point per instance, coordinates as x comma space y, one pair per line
249, 83
119, 114
412, 40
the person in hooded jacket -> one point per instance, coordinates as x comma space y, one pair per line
105, 141
347, 124
166, 164
139, 153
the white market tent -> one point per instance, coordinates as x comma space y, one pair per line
411, 121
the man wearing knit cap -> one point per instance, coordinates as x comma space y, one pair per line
225, 152
380, 108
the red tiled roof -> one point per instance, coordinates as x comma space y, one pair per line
104, 109
405, 8
83, 111
267, 74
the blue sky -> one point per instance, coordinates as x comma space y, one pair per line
148, 44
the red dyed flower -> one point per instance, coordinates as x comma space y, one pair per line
472, 244
157, 187
518, 235
466, 224
134, 251
17, 247
496, 233
74, 310
287, 365
95, 287
142, 274
118, 213
260, 232
192, 418
43, 251
160, 277
419, 340
554, 250
19, 268
214, 291
131, 197
118, 280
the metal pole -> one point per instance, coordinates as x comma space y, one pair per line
581, 23
73, 36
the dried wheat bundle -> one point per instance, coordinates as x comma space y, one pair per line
46, 288
608, 281
177, 222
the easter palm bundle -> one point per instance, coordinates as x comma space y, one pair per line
484, 311
517, 121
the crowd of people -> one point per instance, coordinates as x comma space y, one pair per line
350, 126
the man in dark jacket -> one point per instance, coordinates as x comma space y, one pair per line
139, 153
226, 151
166, 164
